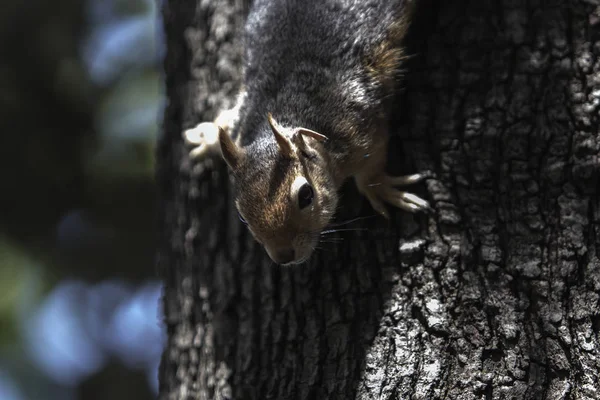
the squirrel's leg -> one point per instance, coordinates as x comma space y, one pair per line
204, 137
379, 188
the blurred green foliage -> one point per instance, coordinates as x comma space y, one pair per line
18, 280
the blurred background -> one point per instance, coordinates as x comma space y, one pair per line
80, 108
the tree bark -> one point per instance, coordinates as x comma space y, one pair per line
493, 295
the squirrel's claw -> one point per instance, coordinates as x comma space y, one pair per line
404, 200
382, 190
204, 138
377, 204
405, 180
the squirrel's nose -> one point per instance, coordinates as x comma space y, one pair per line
285, 256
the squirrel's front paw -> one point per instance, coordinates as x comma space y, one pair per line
381, 189
204, 138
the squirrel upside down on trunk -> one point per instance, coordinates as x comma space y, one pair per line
314, 110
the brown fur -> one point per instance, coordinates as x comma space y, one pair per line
276, 219
384, 63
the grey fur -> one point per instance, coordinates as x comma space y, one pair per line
304, 63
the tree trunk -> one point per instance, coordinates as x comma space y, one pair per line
493, 295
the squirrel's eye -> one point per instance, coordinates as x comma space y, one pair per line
242, 219
305, 196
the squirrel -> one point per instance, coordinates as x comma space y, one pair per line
314, 110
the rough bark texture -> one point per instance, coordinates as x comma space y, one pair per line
495, 295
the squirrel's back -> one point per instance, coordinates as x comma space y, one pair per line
309, 60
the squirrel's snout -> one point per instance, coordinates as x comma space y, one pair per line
291, 252
283, 256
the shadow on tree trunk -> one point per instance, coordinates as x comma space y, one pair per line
493, 295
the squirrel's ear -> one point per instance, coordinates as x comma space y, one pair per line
310, 133
285, 145
298, 140
231, 152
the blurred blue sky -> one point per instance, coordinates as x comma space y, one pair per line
78, 327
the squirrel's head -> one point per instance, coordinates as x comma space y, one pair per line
284, 190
